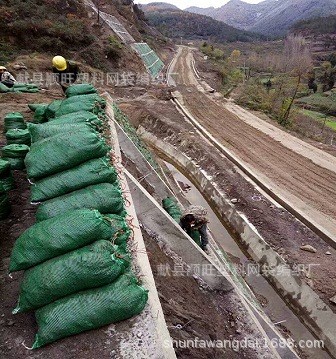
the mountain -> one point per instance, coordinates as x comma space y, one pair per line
176, 23
270, 17
156, 6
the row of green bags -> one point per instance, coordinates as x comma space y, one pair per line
78, 276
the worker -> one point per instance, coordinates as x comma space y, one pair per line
66, 71
194, 219
6, 77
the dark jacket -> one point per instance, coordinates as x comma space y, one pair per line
67, 76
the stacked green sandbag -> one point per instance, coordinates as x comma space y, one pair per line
52, 108
38, 132
4, 203
92, 266
57, 236
16, 155
104, 197
23, 87
18, 136
80, 89
14, 120
6, 177
63, 151
35, 106
88, 173
76, 255
90, 309
40, 114
75, 117
92, 103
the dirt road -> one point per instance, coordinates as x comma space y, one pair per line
300, 178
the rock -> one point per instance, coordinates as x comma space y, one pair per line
234, 200
20, 67
328, 253
333, 299
308, 248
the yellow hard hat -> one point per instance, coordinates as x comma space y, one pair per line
3, 68
59, 62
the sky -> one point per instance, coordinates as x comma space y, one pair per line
182, 4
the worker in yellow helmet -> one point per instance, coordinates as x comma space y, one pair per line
66, 71
6, 77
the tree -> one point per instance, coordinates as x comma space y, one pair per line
297, 61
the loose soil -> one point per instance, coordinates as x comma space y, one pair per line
278, 227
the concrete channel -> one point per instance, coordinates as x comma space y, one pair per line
223, 243
311, 310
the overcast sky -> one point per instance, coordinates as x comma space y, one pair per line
182, 4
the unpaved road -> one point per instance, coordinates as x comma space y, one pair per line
304, 184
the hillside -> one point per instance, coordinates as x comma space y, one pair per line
270, 17
176, 23
320, 33
70, 28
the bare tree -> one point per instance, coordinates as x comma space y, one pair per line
299, 62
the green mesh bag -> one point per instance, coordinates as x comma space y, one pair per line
8, 183
90, 309
4, 168
40, 114
15, 151
171, 206
64, 151
120, 229
15, 163
104, 197
92, 103
52, 108
88, 267
38, 132
34, 106
18, 136
4, 88
22, 87
4, 203
75, 117
14, 120
57, 236
80, 89
88, 173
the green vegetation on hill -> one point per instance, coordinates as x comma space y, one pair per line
44, 25
177, 23
318, 25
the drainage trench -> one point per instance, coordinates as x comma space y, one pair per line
271, 302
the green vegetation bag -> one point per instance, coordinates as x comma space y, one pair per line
88, 173
120, 229
90, 309
64, 151
40, 114
57, 236
14, 120
92, 103
80, 89
18, 136
4, 203
15, 154
52, 108
88, 267
104, 197
38, 132
8, 183
75, 117
4, 168
171, 206
21, 87
4, 88
35, 106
